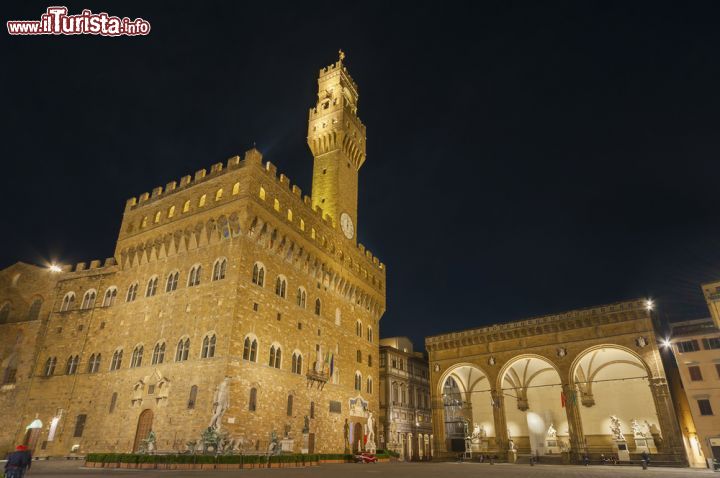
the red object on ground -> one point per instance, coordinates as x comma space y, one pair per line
365, 458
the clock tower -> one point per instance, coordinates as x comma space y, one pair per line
336, 137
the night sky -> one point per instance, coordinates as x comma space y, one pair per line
523, 159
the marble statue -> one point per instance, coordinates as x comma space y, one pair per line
150, 442
346, 435
512, 446
637, 429
221, 402
210, 439
370, 427
552, 432
616, 429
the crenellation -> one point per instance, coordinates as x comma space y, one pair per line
296, 190
157, 191
144, 197
130, 203
216, 168
110, 261
170, 187
271, 168
95, 263
307, 200
185, 180
200, 174
80, 266
233, 162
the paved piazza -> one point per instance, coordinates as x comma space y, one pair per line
400, 470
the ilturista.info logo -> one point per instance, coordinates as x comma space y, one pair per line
56, 21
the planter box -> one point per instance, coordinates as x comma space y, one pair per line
147, 466
207, 466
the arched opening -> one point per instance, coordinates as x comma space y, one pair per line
467, 409
357, 437
613, 382
536, 420
144, 427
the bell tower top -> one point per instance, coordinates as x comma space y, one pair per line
336, 137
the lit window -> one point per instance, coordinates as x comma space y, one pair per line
186, 206
157, 217
276, 205
302, 225
203, 198
262, 193
144, 222
289, 215
236, 189
171, 211
218, 194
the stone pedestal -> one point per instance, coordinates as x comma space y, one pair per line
644, 444
287, 444
305, 444
552, 446
622, 450
512, 456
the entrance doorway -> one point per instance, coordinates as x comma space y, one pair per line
357, 437
143, 428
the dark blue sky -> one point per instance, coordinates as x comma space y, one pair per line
523, 159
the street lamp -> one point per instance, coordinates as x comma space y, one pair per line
54, 268
649, 304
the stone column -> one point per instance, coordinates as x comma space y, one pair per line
572, 409
438, 423
501, 431
672, 439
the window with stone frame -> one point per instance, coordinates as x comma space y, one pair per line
194, 276
151, 289
258, 274
208, 346
137, 356
705, 407
250, 346
50, 364
110, 296
172, 281
183, 350
34, 310
79, 425
252, 402
219, 269
695, 373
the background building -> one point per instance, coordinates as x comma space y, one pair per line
553, 385
695, 345
232, 301
405, 414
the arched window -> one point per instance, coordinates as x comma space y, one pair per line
301, 297
172, 281
50, 366
203, 198
369, 333
252, 403
297, 363
194, 277
116, 360
338, 316
183, 350
369, 385
132, 292
113, 402
157, 217
218, 194
137, 356
143, 223
5, 311
171, 212
250, 349
275, 356
289, 215
151, 287
67, 303
236, 189
192, 398
258, 276
358, 381
208, 346
358, 356
72, 365
33, 311
110, 296
281, 287
88, 299
358, 328
94, 363
276, 205
318, 306
219, 269
186, 206
289, 405
158, 356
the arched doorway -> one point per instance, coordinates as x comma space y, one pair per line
467, 408
612, 381
358, 437
536, 420
143, 428
32, 434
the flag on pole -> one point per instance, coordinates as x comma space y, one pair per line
563, 399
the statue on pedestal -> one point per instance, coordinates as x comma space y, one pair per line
552, 432
616, 429
346, 435
306, 425
221, 402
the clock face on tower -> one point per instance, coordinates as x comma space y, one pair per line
346, 225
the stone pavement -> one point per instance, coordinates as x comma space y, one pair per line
397, 469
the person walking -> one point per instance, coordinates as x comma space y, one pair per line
18, 462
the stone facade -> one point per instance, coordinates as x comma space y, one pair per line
405, 413
229, 299
550, 385
695, 344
